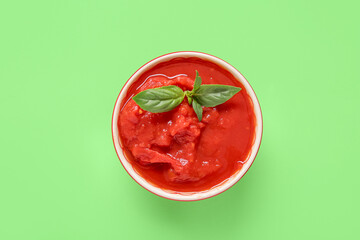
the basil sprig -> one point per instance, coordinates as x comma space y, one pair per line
164, 99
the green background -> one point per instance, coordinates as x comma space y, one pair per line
63, 63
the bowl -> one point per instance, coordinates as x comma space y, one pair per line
187, 196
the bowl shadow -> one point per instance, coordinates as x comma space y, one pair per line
242, 202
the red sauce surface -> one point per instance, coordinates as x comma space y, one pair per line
175, 151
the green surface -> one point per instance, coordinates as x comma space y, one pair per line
63, 63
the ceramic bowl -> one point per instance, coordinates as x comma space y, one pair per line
187, 196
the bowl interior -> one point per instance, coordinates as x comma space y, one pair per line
187, 196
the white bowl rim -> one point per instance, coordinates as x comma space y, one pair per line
195, 195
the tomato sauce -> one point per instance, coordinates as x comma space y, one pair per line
173, 150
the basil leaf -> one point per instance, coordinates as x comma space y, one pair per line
197, 109
189, 100
212, 95
197, 82
162, 99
